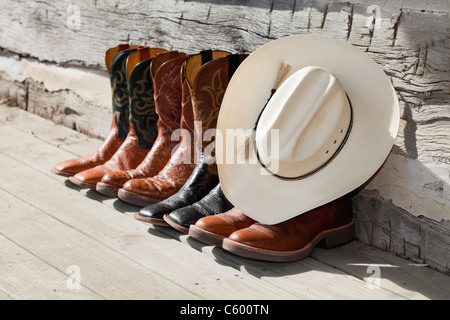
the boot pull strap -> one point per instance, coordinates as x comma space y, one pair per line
144, 53
206, 56
234, 60
111, 53
233, 64
123, 46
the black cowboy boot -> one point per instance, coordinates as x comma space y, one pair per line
213, 203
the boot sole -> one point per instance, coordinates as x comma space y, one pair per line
154, 221
205, 236
107, 189
81, 184
174, 225
327, 239
136, 199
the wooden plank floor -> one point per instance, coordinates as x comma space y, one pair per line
48, 228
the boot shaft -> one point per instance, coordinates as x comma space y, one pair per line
111, 53
209, 88
167, 83
207, 93
142, 113
190, 71
119, 87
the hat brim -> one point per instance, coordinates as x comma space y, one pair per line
271, 200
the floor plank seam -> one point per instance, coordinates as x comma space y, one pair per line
354, 275
97, 241
75, 188
168, 233
38, 137
47, 263
89, 236
251, 269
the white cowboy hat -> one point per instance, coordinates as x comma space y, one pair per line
335, 116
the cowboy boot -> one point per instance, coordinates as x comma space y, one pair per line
214, 229
142, 121
207, 93
115, 60
165, 70
201, 180
328, 226
213, 203
143, 192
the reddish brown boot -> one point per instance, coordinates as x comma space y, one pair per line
329, 225
143, 192
115, 60
142, 121
165, 70
214, 229
207, 93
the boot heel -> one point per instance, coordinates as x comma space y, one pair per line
338, 236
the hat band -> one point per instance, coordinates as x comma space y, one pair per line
347, 134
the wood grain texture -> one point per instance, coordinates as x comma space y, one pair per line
118, 256
411, 45
123, 258
408, 39
24, 276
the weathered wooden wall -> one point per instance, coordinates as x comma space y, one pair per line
52, 64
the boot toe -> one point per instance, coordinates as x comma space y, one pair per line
225, 223
116, 178
70, 167
150, 187
258, 236
182, 218
62, 170
88, 178
155, 211
216, 225
244, 236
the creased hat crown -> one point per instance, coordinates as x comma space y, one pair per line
312, 115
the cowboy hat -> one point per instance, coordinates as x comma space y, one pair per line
320, 118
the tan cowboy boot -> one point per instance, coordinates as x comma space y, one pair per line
207, 93
165, 70
142, 121
329, 226
214, 229
115, 60
207, 84
143, 192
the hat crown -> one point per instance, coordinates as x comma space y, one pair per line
312, 116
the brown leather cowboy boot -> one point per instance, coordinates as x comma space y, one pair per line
143, 192
207, 93
329, 226
115, 60
214, 229
165, 70
207, 84
142, 121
